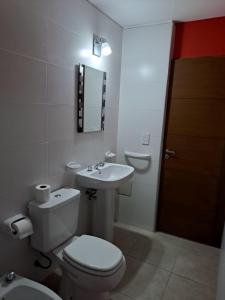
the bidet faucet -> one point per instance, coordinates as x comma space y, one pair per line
100, 164
10, 276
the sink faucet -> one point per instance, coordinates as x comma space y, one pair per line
100, 164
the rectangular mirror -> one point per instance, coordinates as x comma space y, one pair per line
91, 99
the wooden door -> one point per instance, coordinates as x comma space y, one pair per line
192, 188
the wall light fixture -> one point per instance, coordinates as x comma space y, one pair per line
101, 46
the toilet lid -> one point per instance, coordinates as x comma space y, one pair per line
93, 253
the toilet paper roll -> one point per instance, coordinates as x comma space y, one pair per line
110, 157
42, 192
22, 228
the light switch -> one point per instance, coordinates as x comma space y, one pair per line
146, 138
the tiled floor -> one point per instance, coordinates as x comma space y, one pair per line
164, 267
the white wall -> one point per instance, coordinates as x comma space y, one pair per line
144, 75
41, 42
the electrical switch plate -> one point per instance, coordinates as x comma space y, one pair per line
146, 139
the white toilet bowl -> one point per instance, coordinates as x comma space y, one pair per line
92, 267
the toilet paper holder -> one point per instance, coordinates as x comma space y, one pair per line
11, 227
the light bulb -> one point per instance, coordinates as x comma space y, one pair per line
106, 49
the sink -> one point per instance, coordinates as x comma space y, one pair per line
110, 176
105, 181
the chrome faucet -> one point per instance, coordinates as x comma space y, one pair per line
10, 277
100, 164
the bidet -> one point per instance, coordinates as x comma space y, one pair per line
13, 287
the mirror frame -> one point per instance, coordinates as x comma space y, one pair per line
80, 104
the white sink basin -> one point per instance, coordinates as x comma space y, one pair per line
110, 176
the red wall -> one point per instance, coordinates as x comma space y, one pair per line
200, 38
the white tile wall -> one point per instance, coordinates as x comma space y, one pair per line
41, 43
61, 85
23, 80
145, 64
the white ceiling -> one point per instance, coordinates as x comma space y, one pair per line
129, 13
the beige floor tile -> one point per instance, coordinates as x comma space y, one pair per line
125, 239
119, 296
184, 289
187, 244
199, 266
156, 251
143, 281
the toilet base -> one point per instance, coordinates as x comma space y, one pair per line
70, 291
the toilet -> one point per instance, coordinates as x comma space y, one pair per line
91, 266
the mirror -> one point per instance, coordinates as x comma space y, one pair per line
91, 99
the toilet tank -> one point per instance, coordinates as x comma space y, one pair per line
54, 221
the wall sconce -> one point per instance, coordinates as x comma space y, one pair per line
101, 46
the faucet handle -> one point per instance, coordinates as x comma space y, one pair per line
101, 164
10, 276
89, 168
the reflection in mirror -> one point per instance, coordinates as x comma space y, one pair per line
91, 99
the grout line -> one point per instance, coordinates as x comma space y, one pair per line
167, 283
23, 55
47, 161
147, 263
22, 145
171, 272
127, 296
192, 280
40, 60
46, 83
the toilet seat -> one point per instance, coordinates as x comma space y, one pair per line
93, 255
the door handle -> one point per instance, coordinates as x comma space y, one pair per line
169, 153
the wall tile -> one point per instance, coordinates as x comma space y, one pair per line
21, 79
22, 123
141, 121
146, 71
22, 166
144, 76
61, 85
87, 154
111, 122
22, 30
81, 21
59, 154
63, 46
42, 42
145, 96
61, 122
139, 209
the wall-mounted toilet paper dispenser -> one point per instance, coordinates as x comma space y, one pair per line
18, 227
